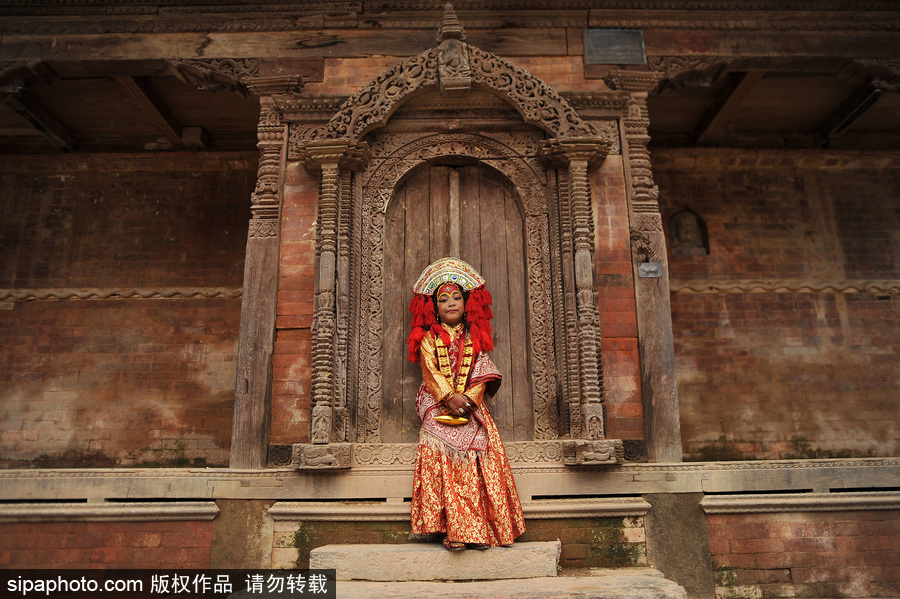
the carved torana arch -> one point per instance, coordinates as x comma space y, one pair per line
371, 107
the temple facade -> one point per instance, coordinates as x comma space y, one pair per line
688, 214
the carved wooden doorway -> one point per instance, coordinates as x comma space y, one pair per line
469, 211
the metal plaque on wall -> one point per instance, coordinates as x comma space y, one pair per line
614, 46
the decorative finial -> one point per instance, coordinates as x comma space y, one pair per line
450, 27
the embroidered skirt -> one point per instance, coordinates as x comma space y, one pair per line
469, 495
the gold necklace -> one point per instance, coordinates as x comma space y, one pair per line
462, 374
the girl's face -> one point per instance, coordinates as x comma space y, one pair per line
451, 305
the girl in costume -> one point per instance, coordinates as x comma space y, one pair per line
463, 485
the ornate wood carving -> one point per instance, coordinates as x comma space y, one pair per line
539, 104
544, 384
322, 457
323, 329
574, 144
342, 322
379, 182
265, 208
256, 344
403, 455
593, 453
577, 154
217, 74
565, 317
373, 271
132, 16
25, 295
684, 72
453, 61
743, 286
333, 160
644, 193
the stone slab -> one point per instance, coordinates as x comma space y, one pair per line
430, 561
609, 584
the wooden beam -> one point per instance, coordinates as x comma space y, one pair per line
850, 110
712, 126
142, 94
16, 96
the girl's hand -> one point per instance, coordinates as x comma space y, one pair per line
459, 404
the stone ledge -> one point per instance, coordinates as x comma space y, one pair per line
360, 511
150, 511
429, 562
390, 482
800, 502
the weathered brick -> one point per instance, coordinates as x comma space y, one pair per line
814, 548
140, 222
784, 337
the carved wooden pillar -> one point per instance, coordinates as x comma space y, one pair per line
252, 398
576, 155
333, 161
324, 315
651, 272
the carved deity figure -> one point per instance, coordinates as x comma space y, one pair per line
686, 234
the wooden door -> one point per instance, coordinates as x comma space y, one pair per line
470, 212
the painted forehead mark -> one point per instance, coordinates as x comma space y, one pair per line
447, 289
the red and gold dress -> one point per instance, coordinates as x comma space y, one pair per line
463, 483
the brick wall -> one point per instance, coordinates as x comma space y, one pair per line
293, 540
822, 554
116, 379
611, 542
787, 332
118, 382
291, 381
76, 545
618, 319
125, 220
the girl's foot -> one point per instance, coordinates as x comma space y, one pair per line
478, 546
453, 545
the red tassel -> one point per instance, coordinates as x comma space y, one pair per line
442, 332
478, 315
422, 319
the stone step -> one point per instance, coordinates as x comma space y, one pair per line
430, 561
626, 583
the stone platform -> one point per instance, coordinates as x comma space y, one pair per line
627, 583
523, 570
426, 562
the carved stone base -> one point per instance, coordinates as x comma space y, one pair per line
579, 452
402, 456
331, 456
